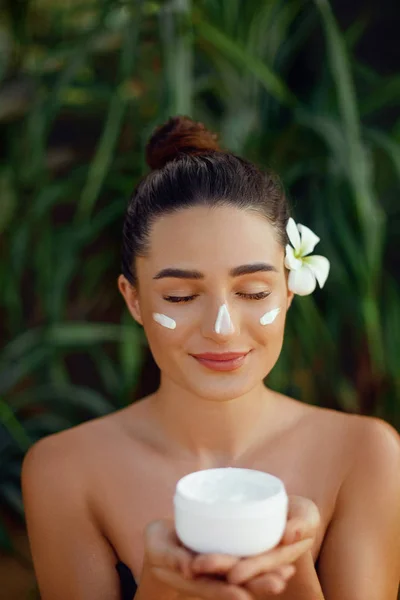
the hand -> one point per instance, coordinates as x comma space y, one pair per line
269, 572
169, 562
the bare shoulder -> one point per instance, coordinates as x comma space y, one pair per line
64, 536
53, 451
376, 449
353, 441
56, 463
367, 451
65, 461
359, 433
85, 440
365, 437
376, 431
360, 555
65, 448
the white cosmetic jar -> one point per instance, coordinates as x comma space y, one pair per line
241, 512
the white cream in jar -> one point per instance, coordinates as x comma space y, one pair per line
234, 511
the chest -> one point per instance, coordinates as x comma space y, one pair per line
141, 490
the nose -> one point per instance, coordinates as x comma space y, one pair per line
221, 326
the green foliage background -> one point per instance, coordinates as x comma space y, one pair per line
83, 85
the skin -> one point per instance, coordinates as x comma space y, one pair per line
109, 482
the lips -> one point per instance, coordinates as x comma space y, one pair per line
220, 356
227, 361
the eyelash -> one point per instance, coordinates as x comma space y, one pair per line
257, 296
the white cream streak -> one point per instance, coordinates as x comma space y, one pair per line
270, 316
164, 321
223, 324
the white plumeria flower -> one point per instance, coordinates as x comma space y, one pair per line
305, 270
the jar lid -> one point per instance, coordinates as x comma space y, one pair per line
231, 492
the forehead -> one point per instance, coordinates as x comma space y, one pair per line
223, 236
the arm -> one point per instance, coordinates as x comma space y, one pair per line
360, 557
71, 558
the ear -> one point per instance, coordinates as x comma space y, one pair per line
131, 297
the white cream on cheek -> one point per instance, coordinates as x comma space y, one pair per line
270, 316
164, 320
223, 324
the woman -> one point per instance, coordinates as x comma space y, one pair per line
211, 263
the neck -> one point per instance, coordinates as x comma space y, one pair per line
213, 433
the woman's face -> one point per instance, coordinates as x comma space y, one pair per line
205, 245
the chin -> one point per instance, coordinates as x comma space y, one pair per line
221, 391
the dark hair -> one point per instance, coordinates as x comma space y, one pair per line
189, 168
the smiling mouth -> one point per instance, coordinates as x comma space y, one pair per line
227, 361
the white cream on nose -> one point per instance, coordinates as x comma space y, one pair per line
223, 324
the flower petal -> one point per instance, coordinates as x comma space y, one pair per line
291, 262
302, 281
293, 234
308, 240
320, 266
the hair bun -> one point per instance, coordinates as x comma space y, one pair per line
179, 135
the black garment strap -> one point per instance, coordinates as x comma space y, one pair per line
128, 584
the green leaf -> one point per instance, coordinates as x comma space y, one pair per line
176, 35
61, 399
108, 372
369, 212
11, 495
73, 334
13, 373
8, 198
385, 95
117, 106
389, 145
131, 352
14, 427
272, 83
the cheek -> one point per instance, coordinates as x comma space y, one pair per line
264, 313
268, 340
158, 335
170, 316
269, 335
267, 322
270, 316
162, 339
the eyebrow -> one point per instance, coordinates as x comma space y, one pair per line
235, 272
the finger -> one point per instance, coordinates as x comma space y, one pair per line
177, 559
264, 585
270, 583
285, 572
214, 563
265, 563
220, 564
203, 587
164, 549
303, 520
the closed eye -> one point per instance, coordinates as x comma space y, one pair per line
179, 298
255, 296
